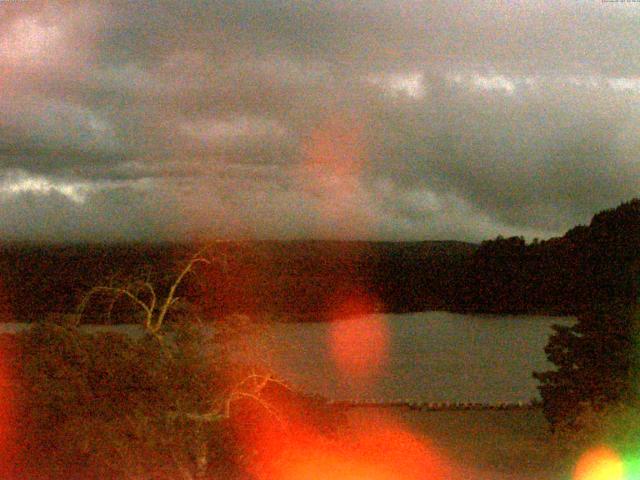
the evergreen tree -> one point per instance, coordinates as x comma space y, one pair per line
596, 357
594, 360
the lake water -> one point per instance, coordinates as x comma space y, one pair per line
429, 356
432, 356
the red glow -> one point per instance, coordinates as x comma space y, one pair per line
8, 446
600, 463
380, 450
333, 160
359, 345
335, 147
287, 439
5, 380
358, 340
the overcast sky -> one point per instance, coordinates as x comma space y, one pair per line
393, 120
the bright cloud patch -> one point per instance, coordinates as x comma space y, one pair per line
22, 183
221, 130
494, 82
29, 40
508, 84
399, 84
625, 84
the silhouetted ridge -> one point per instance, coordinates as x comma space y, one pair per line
308, 279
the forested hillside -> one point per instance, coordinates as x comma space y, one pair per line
588, 266
298, 277
566, 275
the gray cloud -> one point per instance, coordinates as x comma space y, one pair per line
404, 119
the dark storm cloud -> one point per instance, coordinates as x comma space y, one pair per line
469, 119
538, 156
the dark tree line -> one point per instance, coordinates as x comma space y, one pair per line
590, 265
564, 275
299, 277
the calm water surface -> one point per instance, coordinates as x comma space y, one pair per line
431, 356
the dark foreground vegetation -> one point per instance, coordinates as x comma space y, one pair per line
106, 406
168, 404
306, 279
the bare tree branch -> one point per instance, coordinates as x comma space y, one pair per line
155, 307
154, 318
116, 292
169, 301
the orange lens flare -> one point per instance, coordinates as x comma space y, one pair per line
358, 340
600, 463
374, 450
359, 345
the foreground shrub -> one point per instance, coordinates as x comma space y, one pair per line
594, 362
107, 405
115, 406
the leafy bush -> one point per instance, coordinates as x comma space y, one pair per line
107, 405
594, 360
112, 406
